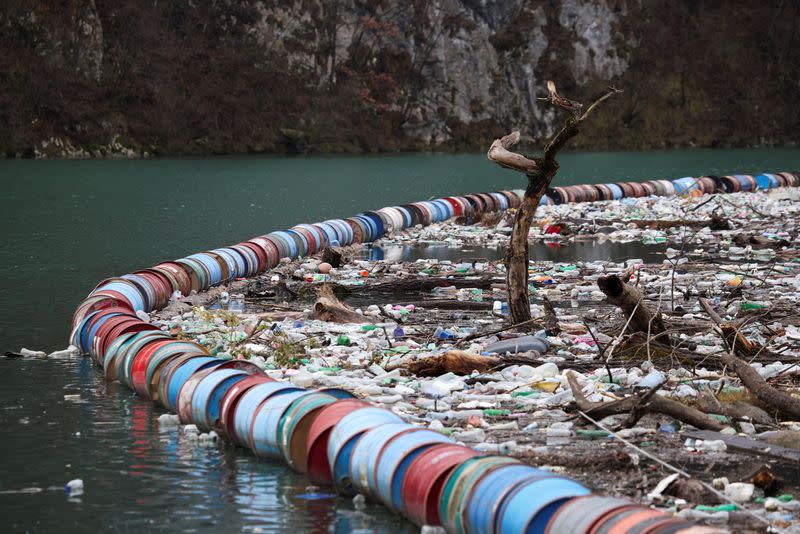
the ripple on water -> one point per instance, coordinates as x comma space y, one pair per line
135, 476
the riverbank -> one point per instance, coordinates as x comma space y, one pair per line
527, 410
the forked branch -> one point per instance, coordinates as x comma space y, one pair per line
499, 153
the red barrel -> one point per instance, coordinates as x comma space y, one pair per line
139, 366
319, 469
422, 486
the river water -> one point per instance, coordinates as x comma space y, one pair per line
68, 224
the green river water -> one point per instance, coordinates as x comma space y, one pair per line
68, 224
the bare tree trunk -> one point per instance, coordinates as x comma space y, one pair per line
540, 171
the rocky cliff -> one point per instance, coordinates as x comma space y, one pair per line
98, 78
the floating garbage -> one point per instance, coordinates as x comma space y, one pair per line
74, 488
389, 455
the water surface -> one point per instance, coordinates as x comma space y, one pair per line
68, 224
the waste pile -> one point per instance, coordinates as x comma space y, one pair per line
423, 394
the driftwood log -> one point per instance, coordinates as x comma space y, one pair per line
540, 172
328, 308
753, 381
630, 300
638, 405
463, 363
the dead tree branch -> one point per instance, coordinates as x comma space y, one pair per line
540, 173
641, 404
753, 381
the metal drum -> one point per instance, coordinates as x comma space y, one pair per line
422, 486
394, 459
479, 505
140, 363
366, 453
295, 425
125, 357
249, 404
162, 357
183, 406
266, 423
227, 407
624, 520
344, 436
461, 479
208, 396
529, 507
181, 374
581, 513
319, 469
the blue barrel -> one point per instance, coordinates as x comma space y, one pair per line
365, 454
147, 291
209, 393
182, 374
436, 210
330, 231
288, 242
744, 182
237, 265
394, 460
763, 182
303, 245
211, 265
264, 429
684, 185
315, 234
615, 190
484, 500
345, 233
128, 290
372, 226
167, 353
250, 258
407, 220
88, 333
501, 199
774, 181
380, 224
344, 436
581, 513
530, 505
78, 336
248, 406
444, 208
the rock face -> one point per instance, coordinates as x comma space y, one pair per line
228, 76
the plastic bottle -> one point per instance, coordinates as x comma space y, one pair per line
749, 306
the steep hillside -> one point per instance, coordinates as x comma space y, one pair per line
94, 77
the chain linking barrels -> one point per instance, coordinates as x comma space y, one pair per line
327, 434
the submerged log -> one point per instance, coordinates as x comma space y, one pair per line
630, 300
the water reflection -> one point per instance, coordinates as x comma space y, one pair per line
591, 250
137, 477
